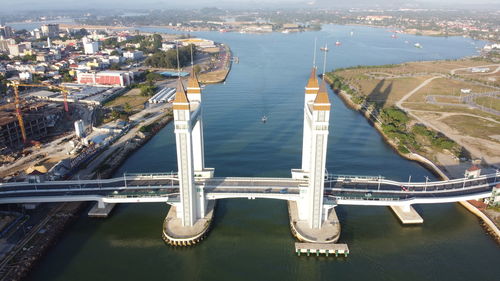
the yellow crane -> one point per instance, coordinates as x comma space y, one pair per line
16, 84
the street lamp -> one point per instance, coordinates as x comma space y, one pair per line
426, 181
378, 188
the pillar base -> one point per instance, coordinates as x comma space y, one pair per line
96, 212
175, 234
328, 233
407, 214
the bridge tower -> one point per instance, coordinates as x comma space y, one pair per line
315, 139
190, 159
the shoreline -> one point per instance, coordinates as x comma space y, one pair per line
489, 226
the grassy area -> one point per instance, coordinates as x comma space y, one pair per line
472, 126
384, 86
449, 109
132, 100
446, 86
451, 99
489, 102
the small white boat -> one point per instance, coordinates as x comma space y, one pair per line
264, 119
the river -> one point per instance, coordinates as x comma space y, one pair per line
251, 239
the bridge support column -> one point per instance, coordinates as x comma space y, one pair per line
101, 209
407, 214
189, 219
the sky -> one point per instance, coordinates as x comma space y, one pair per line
6, 5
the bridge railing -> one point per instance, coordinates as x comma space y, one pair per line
381, 180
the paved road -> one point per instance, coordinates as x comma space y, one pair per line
151, 187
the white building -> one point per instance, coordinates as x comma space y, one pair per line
25, 76
133, 55
90, 47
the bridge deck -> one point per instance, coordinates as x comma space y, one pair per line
363, 190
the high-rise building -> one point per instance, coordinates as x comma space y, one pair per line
6, 32
50, 30
90, 47
4, 44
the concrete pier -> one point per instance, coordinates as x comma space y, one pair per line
321, 249
328, 233
101, 210
175, 234
407, 214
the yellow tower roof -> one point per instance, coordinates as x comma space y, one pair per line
193, 86
312, 86
322, 102
181, 101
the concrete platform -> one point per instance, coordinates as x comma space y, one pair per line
324, 249
407, 214
97, 212
328, 233
175, 234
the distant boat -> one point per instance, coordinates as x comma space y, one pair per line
417, 45
352, 33
324, 49
394, 36
338, 43
264, 119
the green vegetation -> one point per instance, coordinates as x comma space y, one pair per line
153, 76
147, 128
66, 77
147, 89
117, 114
168, 59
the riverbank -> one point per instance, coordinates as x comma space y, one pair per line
220, 75
40, 239
369, 113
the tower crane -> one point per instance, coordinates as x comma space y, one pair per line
16, 84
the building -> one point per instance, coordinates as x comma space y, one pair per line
133, 55
6, 32
17, 49
90, 47
35, 119
4, 44
79, 129
472, 172
106, 78
50, 30
198, 42
25, 76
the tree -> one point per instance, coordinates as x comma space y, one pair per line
197, 69
127, 107
168, 59
147, 89
153, 76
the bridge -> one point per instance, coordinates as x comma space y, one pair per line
193, 190
164, 187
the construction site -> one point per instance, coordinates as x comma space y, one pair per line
30, 128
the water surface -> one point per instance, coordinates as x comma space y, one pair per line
251, 239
